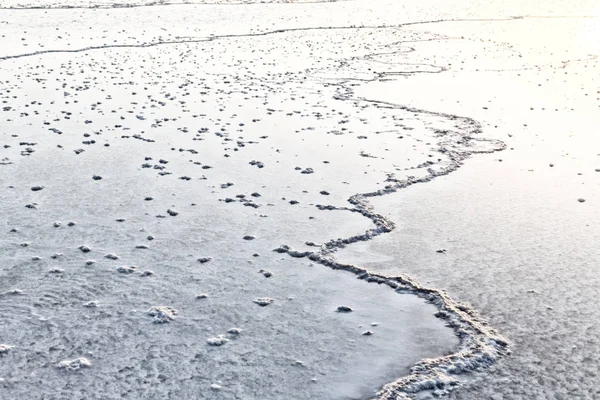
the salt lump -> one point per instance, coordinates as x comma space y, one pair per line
217, 341
127, 270
74, 365
4, 348
263, 301
162, 314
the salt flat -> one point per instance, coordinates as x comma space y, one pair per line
189, 192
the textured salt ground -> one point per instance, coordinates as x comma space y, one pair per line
386, 149
537, 286
518, 244
27, 31
64, 304
132, 357
175, 360
80, 199
356, 69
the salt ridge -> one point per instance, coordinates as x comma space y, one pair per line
480, 346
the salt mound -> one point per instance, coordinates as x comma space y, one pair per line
127, 270
74, 365
162, 314
217, 341
263, 301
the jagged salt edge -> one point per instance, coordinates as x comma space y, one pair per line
479, 345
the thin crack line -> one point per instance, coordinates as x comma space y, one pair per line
115, 6
260, 34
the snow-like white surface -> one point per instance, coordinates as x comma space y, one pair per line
519, 246
152, 158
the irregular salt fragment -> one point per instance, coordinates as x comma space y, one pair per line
266, 273
127, 270
217, 341
162, 314
263, 301
74, 365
